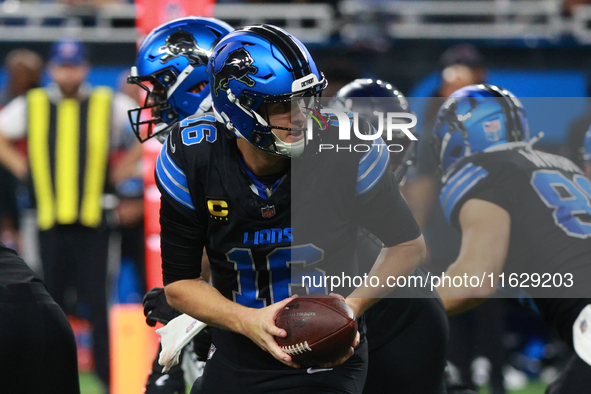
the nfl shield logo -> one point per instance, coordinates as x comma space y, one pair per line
268, 211
583, 326
212, 350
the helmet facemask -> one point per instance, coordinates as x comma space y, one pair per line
156, 116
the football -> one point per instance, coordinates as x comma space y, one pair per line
320, 329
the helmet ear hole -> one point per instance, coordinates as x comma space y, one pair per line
456, 152
248, 102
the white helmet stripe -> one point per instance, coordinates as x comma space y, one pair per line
444, 143
184, 74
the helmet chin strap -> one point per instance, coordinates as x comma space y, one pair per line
160, 131
205, 106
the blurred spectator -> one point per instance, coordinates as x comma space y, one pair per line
129, 186
338, 73
465, 55
24, 72
568, 6
71, 131
455, 77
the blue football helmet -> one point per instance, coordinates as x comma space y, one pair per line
171, 67
587, 151
367, 97
475, 118
258, 65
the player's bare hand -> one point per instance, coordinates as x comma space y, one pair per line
346, 356
337, 296
259, 326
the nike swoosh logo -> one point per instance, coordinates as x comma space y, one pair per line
316, 370
161, 381
172, 147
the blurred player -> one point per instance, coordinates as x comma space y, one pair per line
407, 335
37, 345
223, 192
171, 68
521, 212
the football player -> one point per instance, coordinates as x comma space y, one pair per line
171, 68
37, 345
229, 183
523, 214
407, 335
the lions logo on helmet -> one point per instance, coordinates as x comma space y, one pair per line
182, 43
237, 66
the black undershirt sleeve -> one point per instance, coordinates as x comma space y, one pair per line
181, 243
384, 212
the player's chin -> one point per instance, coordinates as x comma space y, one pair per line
296, 135
293, 136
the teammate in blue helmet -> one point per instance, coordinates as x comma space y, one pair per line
171, 67
228, 184
524, 217
414, 322
475, 118
368, 97
242, 89
587, 154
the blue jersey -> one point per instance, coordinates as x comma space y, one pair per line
263, 238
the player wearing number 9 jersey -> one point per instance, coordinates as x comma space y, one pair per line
266, 205
521, 212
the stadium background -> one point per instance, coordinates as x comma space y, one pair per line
535, 48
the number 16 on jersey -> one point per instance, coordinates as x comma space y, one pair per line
284, 268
